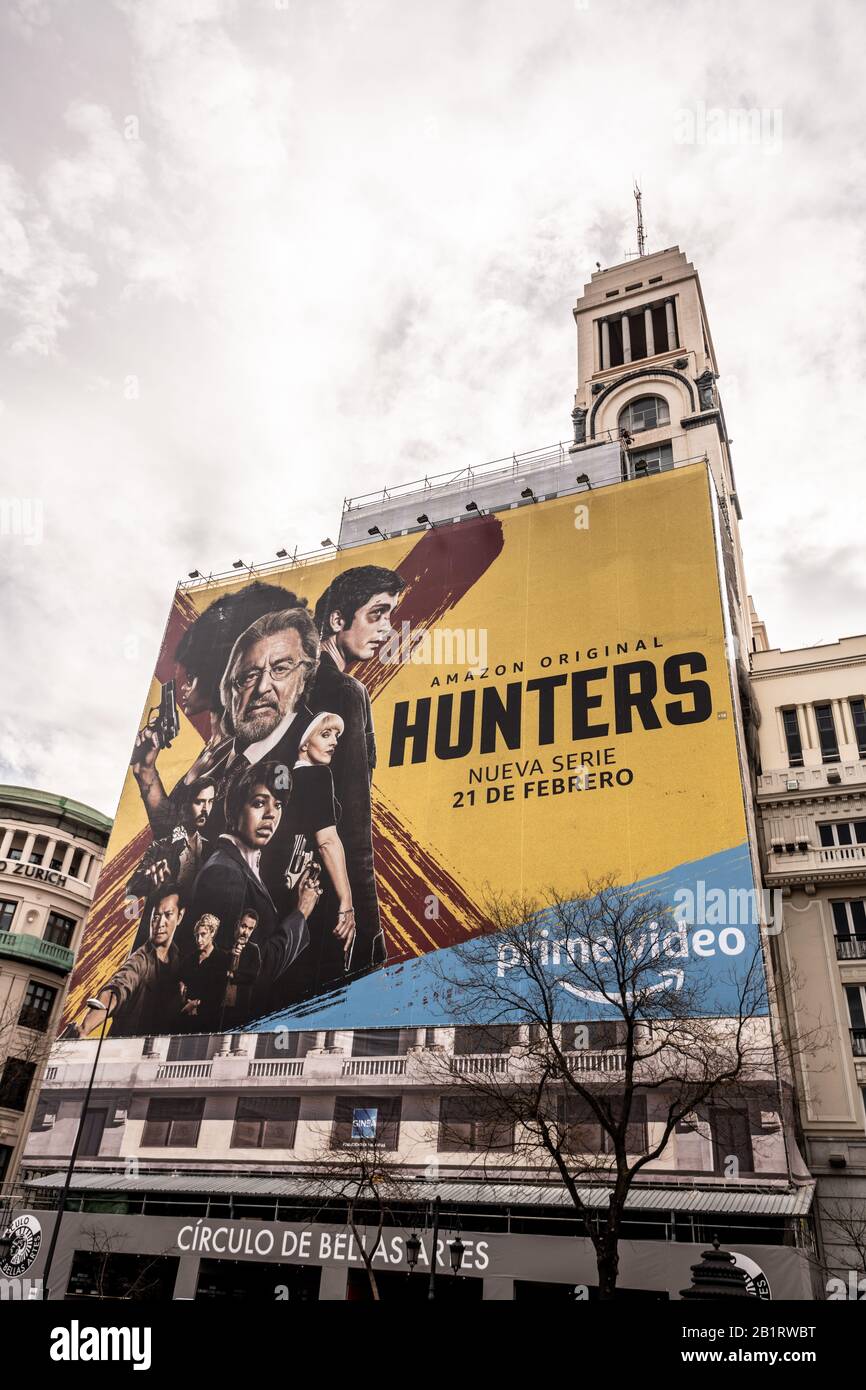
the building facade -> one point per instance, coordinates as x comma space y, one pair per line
244, 1134
51, 851
811, 796
223, 1133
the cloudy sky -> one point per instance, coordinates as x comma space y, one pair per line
256, 256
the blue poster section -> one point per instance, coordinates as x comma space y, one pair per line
711, 936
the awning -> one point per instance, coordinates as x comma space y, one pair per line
780, 1201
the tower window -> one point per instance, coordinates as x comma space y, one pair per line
658, 458
791, 725
646, 413
858, 715
637, 333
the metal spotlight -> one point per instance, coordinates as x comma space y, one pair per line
282, 554
472, 507
584, 479
194, 574
237, 564
527, 492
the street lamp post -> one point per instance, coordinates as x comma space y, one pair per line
52, 1246
437, 1209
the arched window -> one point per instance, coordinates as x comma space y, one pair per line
645, 413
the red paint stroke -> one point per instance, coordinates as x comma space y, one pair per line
108, 932
439, 571
407, 876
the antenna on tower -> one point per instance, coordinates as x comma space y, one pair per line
641, 234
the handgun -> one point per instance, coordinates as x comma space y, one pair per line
162, 719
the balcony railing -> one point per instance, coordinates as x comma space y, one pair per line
597, 1061
858, 1042
842, 854
280, 1066
851, 947
186, 1071
487, 1064
374, 1066
33, 948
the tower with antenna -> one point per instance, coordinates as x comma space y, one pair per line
641, 234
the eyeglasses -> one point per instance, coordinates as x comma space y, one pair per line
279, 672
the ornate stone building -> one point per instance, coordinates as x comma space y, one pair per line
51, 851
811, 798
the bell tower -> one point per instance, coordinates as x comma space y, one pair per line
647, 379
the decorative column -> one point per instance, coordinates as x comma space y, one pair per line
28, 848
47, 857
83, 868
669, 320
68, 858
648, 328
605, 345
6, 843
626, 338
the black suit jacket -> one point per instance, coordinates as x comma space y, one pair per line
227, 887
337, 692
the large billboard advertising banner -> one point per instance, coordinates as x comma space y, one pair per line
339, 761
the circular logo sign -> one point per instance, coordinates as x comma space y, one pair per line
26, 1236
757, 1282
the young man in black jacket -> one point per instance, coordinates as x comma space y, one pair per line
354, 619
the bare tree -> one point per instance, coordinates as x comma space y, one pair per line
613, 957
848, 1217
102, 1245
365, 1175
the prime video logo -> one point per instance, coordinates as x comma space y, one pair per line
704, 922
436, 646
77, 1343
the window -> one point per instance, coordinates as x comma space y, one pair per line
172, 1123
849, 921
471, 1122
858, 717
7, 912
856, 997
584, 1133
791, 725
266, 1122
379, 1042
842, 832
15, 1083
659, 458
646, 413
37, 1006
827, 733
731, 1136
642, 340
60, 929
497, 1037
358, 1118
283, 1044
193, 1048
595, 1036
